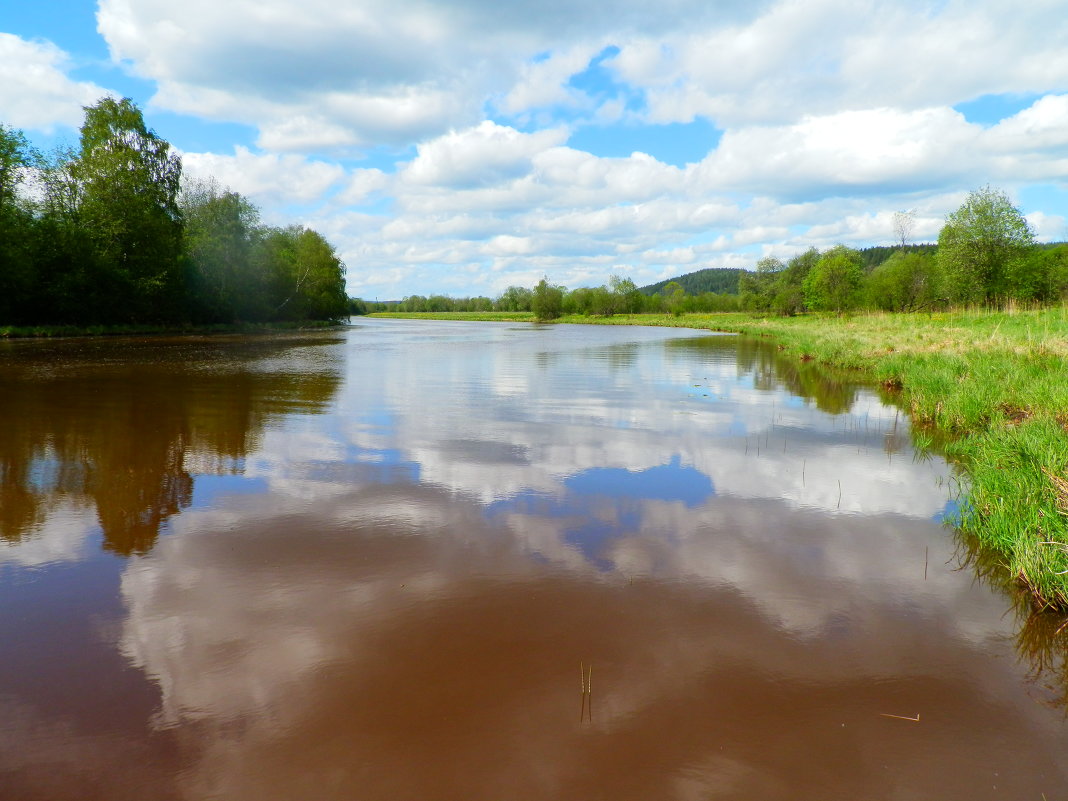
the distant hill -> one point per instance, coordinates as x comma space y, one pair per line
724, 280
721, 280
874, 256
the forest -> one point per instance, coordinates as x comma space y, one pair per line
109, 233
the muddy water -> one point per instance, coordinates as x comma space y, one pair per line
368, 565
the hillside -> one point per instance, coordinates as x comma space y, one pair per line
724, 280
721, 280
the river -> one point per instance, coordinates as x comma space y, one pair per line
445, 560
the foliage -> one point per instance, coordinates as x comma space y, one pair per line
220, 236
128, 182
907, 281
673, 295
16, 222
983, 247
108, 238
833, 284
755, 288
626, 298
515, 298
548, 301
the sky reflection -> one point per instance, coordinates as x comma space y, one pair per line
386, 589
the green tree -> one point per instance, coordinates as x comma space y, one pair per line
788, 296
221, 232
833, 284
306, 278
72, 287
515, 298
15, 163
674, 295
982, 246
1050, 266
628, 298
548, 300
756, 288
907, 281
18, 276
128, 180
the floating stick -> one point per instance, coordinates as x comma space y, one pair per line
839, 493
901, 717
803, 463
926, 548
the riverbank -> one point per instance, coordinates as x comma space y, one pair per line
997, 382
56, 331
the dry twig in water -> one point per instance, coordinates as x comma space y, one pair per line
901, 717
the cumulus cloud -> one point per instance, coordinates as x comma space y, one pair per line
385, 72
830, 117
35, 89
486, 154
272, 178
818, 57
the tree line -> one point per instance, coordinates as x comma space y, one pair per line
618, 296
986, 256
109, 233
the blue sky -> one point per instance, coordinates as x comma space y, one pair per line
464, 146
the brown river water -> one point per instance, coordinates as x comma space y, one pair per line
371, 564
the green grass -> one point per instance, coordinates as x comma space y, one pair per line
995, 382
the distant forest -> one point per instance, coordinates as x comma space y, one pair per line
109, 234
721, 280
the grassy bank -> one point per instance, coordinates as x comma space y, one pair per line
54, 331
996, 381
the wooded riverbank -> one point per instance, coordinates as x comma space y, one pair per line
995, 382
57, 331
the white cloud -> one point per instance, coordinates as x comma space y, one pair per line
35, 90
831, 116
484, 155
821, 56
267, 178
544, 83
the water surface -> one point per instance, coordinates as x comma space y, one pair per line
368, 564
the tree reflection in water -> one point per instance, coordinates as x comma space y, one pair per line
125, 426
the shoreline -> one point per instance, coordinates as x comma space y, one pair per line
12, 332
995, 382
